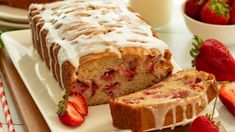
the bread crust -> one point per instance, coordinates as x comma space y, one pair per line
141, 118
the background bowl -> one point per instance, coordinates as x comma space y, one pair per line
223, 33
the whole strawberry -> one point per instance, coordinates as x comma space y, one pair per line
232, 13
216, 12
213, 57
203, 124
193, 8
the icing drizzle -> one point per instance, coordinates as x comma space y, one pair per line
110, 26
160, 114
180, 91
81, 27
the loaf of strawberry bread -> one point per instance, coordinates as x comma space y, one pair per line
174, 101
98, 48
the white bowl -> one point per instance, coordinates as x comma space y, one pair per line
223, 33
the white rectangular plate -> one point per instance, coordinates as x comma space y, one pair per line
46, 92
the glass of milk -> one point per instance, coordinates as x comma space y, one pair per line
157, 13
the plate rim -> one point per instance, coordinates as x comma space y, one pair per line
11, 17
14, 25
7, 35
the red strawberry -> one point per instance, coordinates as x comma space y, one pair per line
79, 103
68, 114
213, 57
150, 62
229, 2
128, 68
216, 12
232, 13
227, 96
110, 88
193, 8
203, 124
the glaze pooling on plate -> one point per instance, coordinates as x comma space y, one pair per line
81, 27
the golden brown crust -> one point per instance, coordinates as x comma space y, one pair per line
35, 22
126, 51
54, 61
141, 118
57, 66
31, 15
39, 25
43, 34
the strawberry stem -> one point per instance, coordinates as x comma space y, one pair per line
65, 97
194, 52
211, 116
220, 7
213, 111
61, 107
218, 123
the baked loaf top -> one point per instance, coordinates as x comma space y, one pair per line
174, 95
81, 27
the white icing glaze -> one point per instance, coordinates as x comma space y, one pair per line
160, 114
174, 116
55, 68
94, 26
